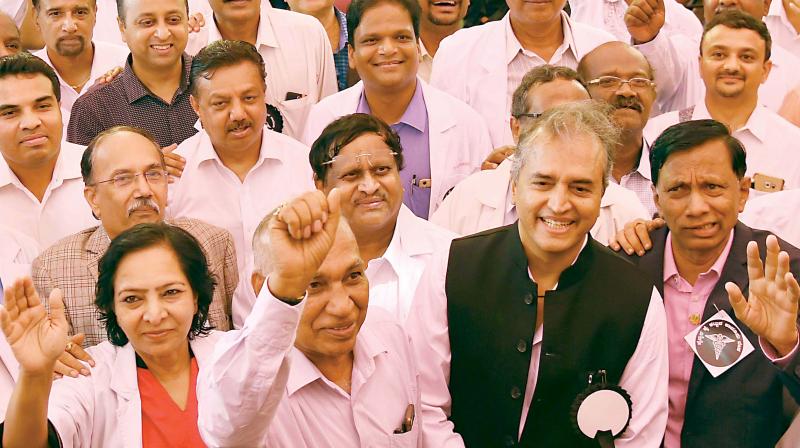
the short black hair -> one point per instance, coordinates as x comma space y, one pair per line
739, 20
121, 9
26, 63
691, 134
87, 160
340, 132
358, 8
190, 256
223, 53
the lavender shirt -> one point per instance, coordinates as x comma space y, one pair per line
414, 137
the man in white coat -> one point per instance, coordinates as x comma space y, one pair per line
444, 140
483, 65
484, 200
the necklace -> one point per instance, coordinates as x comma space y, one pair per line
80, 84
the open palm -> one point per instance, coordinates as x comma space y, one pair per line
36, 339
771, 308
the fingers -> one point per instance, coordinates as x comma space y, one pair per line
175, 164
771, 262
334, 207
655, 224
793, 288
497, 156
634, 237
68, 365
755, 269
30, 293
738, 302
78, 351
56, 301
305, 215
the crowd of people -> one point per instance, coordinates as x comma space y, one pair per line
345, 224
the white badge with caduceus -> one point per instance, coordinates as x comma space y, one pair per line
719, 343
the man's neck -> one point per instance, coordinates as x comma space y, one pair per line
74, 70
241, 160
792, 15
732, 112
546, 267
691, 264
245, 30
432, 35
162, 83
338, 370
330, 22
390, 106
543, 39
373, 243
628, 154
35, 179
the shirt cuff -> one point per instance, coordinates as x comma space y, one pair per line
772, 354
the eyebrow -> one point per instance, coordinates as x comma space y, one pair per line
160, 287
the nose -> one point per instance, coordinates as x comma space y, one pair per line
368, 184
142, 188
625, 90
728, 3
339, 304
162, 31
697, 204
154, 311
29, 120
68, 25
237, 110
386, 46
558, 200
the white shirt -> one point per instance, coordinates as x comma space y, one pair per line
484, 201
609, 15
482, 57
211, 192
63, 210
645, 377
17, 252
393, 277
297, 55
776, 212
425, 63
772, 143
106, 57
674, 59
780, 29
639, 182
15, 9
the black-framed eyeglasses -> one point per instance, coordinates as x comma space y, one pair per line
530, 115
613, 82
153, 176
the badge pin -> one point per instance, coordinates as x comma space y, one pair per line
694, 319
719, 343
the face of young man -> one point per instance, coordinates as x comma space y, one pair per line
700, 197
67, 25
732, 62
385, 52
231, 106
443, 12
156, 31
30, 121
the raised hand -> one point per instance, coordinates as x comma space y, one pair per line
301, 235
36, 339
644, 19
770, 310
196, 22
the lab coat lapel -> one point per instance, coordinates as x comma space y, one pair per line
440, 122
491, 87
125, 385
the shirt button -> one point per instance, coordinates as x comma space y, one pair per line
515, 392
522, 346
529, 299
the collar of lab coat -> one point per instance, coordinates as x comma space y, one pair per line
757, 124
512, 45
264, 36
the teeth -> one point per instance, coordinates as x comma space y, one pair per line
161, 47
555, 224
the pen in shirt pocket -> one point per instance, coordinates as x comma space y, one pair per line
408, 420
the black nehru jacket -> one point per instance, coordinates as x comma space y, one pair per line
593, 321
743, 407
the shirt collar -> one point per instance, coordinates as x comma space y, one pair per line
423, 51
270, 149
264, 36
757, 124
67, 167
343, 35
513, 47
644, 160
671, 269
416, 114
135, 90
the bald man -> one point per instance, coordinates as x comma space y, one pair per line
10, 42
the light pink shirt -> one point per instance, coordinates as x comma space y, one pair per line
684, 303
645, 376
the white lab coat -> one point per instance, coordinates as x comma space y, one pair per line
471, 65
459, 140
482, 202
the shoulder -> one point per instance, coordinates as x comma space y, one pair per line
100, 94
439, 101
760, 237
204, 232
283, 19
68, 248
333, 103
591, 35
470, 36
656, 125
292, 147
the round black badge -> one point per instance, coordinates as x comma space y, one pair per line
719, 343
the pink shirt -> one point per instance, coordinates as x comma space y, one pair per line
684, 305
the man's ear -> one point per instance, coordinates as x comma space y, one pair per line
121, 26
90, 194
514, 124
767, 69
744, 190
656, 198
318, 183
257, 280
351, 57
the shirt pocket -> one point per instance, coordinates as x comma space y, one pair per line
407, 439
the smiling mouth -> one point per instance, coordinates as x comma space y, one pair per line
556, 224
444, 3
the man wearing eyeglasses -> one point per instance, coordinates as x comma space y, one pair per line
126, 184
484, 199
620, 75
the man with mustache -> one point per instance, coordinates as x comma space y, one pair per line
439, 19
734, 61
673, 56
126, 184
67, 27
621, 76
236, 169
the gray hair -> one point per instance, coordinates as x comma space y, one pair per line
588, 118
536, 77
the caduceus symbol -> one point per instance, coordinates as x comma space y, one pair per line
720, 341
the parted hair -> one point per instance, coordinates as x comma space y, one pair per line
223, 53
358, 8
24, 63
87, 160
739, 20
536, 77
190, 256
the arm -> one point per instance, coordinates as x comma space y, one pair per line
37, 341
646, 378
427, 328
231, 273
